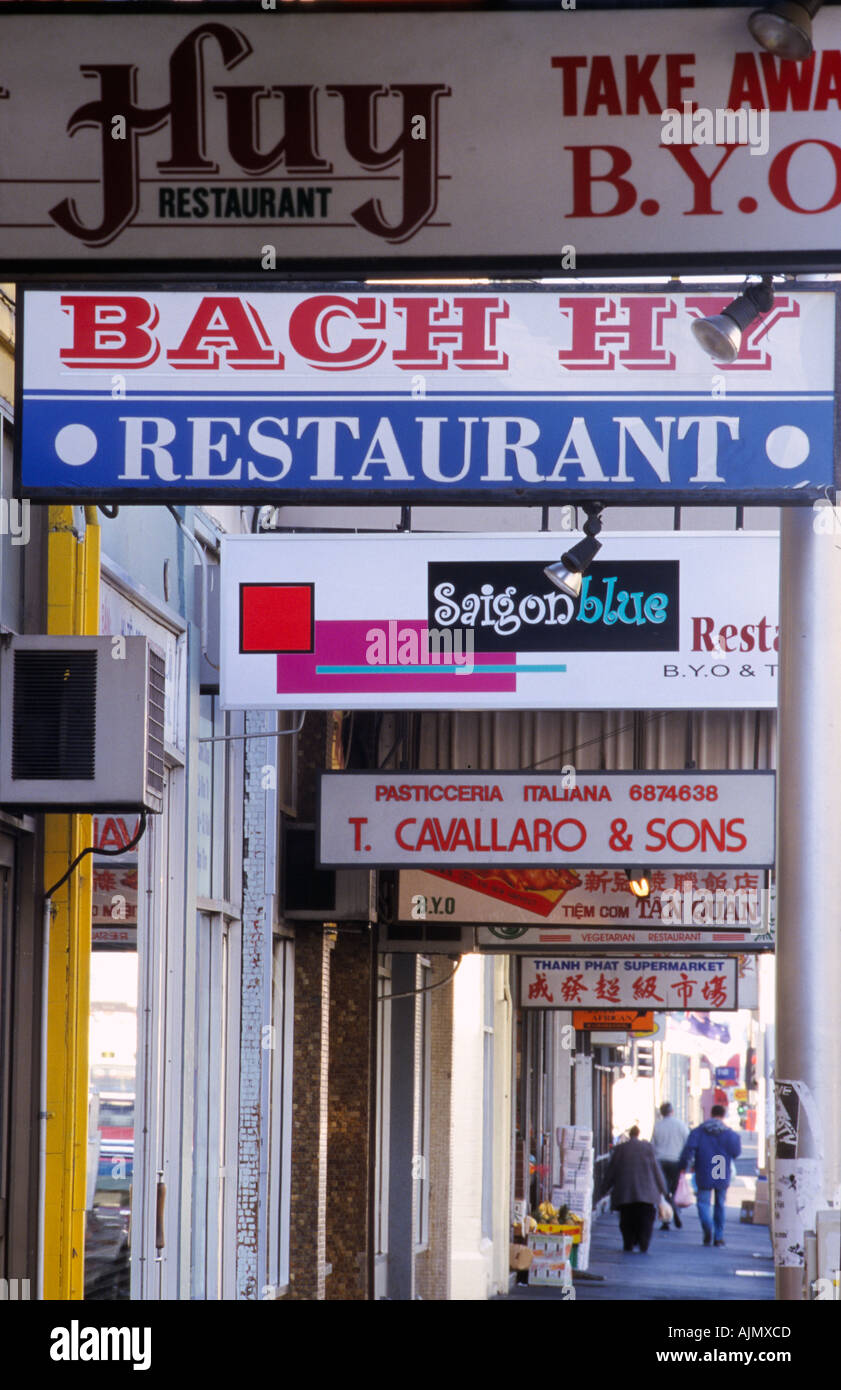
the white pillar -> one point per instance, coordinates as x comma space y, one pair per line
808, 1111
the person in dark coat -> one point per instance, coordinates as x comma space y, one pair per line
712, 1147
635, 1181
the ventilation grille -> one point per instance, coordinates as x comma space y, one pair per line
155, 725
54, 723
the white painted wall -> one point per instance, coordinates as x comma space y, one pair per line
480, 1262
471, 1255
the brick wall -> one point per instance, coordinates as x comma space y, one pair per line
310, 1051
308, 1225
348, 1115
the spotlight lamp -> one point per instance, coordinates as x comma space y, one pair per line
567, 572
639, 881
721, 335
785, 29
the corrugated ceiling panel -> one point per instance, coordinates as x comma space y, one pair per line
593, 740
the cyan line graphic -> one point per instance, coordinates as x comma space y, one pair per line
429, 670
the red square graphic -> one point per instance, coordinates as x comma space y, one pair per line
276, 617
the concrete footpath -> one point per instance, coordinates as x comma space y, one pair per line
677, 1266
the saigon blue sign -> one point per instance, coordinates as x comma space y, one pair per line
664, 620
355, 393
549, 142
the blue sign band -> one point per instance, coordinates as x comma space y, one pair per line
333, 448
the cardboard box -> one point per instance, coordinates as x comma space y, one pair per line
558, 1246
547, 1269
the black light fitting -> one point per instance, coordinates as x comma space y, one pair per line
721, 335
785, 29
567, 572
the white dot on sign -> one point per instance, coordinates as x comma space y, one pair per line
787, 446
75, 444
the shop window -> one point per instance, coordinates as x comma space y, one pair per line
214, 1111
112, 1054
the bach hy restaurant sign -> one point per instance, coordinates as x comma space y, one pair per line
564, 140
358, 393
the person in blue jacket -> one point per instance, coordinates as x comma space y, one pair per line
711, 1147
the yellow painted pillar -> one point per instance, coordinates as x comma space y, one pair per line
72, 609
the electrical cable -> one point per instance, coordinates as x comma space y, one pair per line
95, 849
623, 728
423, 989
400, 738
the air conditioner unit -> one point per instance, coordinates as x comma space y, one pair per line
83, 723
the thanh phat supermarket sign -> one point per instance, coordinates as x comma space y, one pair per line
467, 621
466, 819
650, 982
563, 140
358, 393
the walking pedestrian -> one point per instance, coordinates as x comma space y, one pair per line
667, 1141
635, 1181
712, 1147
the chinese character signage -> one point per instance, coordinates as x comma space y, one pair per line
563, 907
649, 982
114, 906
502, 819
665, 620
355, 393
562, 140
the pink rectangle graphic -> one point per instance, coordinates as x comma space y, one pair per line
390, 643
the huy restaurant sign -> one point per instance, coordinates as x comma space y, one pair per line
566, 140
